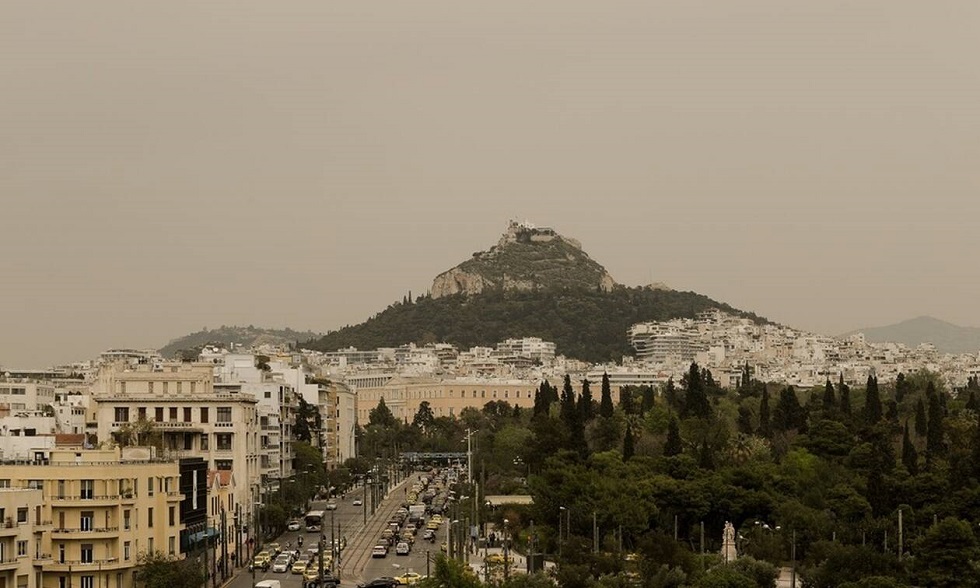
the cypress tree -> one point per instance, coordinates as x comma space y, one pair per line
670, 395
745, 382
921, 424
568, 407
829, 401
605, 402
975, 451
935, 434
910, 457
673, 445
901, 387
788, 413
695, 398
765, 426
872, 403
585, 402
971, 402
626, 400
845, 397
628, 449
649, 398
744, 422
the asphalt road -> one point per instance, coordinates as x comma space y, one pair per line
355, 563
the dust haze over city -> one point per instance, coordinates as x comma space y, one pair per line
179, 165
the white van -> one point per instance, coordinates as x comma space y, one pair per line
268, 584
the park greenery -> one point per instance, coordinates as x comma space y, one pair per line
820, 474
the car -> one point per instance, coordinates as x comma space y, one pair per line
312, 573
409, 578
273, 548
358, 502
494, 558
281, 565
402, 548
294, 526
379, 551
299, 567
429, 535
261, 561
384, 582
332, 505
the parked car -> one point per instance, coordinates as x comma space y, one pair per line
294, 526
409, 578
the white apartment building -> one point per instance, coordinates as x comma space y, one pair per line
21, 394
532, 348
195, 418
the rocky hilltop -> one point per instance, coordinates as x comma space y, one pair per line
526, 258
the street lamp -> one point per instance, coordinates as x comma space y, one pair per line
506, 563
561, 514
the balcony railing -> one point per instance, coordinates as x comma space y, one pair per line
7, 564
93, 530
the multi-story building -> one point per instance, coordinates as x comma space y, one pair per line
193, 417
404, 395
21, 526
21, 394
91, 513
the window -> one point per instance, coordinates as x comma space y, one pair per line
127, 550
168, 485
149, 517
88, 581
204, 412
21, 548
88, 489
173, 413
61, 488
158, 414
122, 414
126, 520
268, 394
61, 553
188, 441
149, 486
223, 464
171, 516
224, 441
22, 514
224, 414
141, 413
35, 484
149, 545
86, 553
187, 414
86, 520
5, 483
172, 544
204, 441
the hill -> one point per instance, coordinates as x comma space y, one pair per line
526, 258
244, 336
947, 337
587, 324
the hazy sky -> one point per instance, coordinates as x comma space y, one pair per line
166, 166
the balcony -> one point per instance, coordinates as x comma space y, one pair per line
52, 565
86, 500
174, 426
81, 534
9, 564
227, 425
174, 496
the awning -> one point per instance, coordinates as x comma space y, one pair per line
206, 533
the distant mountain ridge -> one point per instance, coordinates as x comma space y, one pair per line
947, 337
244, 336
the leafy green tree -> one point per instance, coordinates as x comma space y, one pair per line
307, 420
971, 402
157, 570
649, 399
830, 564
673, 446
671, 396
606, 403
745, 420
724, 576
947, 556
450, 573
423, 417
381, 415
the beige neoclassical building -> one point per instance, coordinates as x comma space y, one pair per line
403, 395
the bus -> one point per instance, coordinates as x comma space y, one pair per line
314, 519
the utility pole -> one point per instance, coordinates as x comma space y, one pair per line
792, 581
900, 535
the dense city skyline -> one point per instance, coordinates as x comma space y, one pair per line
305, 164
